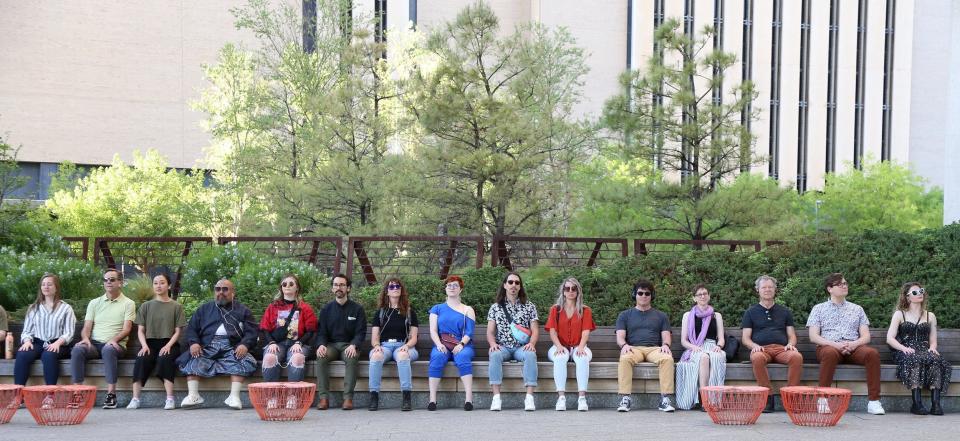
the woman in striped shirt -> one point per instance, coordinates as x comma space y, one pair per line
47, 330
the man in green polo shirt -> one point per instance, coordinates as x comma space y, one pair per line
108, 322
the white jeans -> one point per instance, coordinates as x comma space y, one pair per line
560, 367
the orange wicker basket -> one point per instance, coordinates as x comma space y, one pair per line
734, 405
10, 398
815, 406
282, 401
59, 405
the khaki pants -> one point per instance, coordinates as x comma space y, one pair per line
640, 354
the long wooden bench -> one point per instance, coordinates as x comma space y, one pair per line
603, 369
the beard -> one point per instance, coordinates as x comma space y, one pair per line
222, 301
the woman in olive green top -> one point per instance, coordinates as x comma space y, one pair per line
160, 322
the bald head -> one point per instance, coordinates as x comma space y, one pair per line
224, 291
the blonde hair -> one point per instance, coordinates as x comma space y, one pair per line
561, 298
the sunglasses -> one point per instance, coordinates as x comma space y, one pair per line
110, 279
644, 293
221, 288
288, 284
397, 286
917, 292
570, 288
513, 282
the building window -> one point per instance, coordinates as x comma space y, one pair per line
775, 55
860, 85
746, 67
834, 31
888, 52
803, 110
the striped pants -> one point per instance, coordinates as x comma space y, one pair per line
688, 374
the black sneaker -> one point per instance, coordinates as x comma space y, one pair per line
431, 406
110, 402
468, 406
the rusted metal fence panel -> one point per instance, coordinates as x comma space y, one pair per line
323, 252
521, 252
647, 246
378, 256
144, 255
79, 247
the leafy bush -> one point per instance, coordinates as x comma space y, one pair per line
256, 276
21, 273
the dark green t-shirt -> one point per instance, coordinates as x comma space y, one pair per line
643, 327
161, 318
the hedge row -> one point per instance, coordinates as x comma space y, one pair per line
874, 263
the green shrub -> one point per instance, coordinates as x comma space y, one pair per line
21, 273
256, 276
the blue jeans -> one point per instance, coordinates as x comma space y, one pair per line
528, 358
50, 361
403, 366
294, 373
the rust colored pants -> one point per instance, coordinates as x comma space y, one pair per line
776, 354
866, 356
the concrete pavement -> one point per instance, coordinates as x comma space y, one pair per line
600, 424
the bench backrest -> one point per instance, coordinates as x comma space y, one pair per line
603, 344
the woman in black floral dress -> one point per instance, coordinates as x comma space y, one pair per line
913, 337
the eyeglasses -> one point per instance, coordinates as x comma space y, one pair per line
395, 286
221, 288
644, 293
513, 282
844, 283
288, 284
702, 294
570, 288
339, 285
110, 279
917, 292
453, 285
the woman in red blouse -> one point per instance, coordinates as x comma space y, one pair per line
570, 323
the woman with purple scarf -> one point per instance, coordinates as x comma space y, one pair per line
703, 362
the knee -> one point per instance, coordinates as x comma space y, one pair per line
269, 361
78, 351
795, 360
828, 354
298, 360
376, 357
871, 355
758, 358
496, 357
705, 359
402, 356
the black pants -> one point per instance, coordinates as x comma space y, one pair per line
165, 364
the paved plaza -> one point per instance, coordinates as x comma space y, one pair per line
455, 424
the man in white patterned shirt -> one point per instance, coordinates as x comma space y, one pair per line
841, 331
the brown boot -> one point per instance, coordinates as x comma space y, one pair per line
348, 404
324, 404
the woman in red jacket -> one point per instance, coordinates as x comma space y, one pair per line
288, 327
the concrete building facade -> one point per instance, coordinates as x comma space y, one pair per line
838, 80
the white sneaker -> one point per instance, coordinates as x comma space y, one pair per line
625, 402
665, 405
582, 404
292, 402
233, 402
272, 403
495, 403
875, 408
191, 401
561, 403
528, 403
823, 406
134, 403
169, 404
